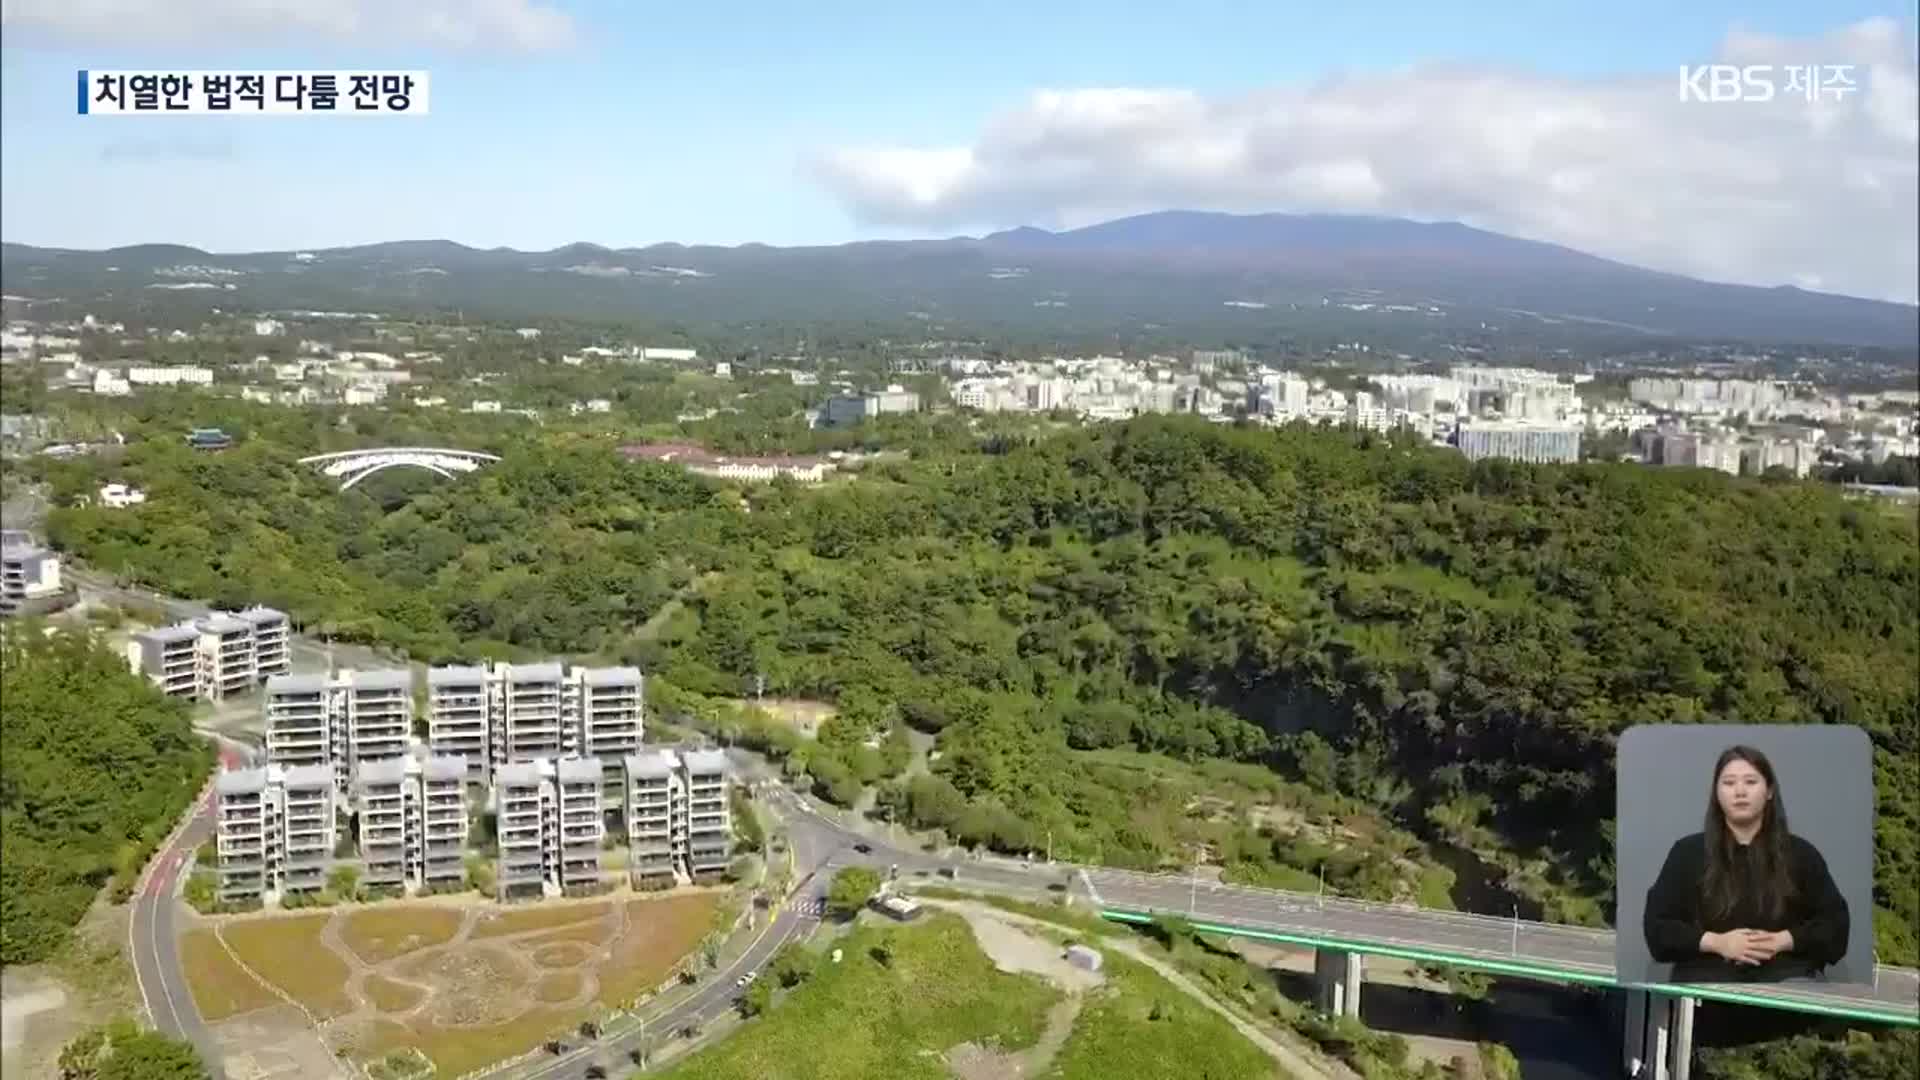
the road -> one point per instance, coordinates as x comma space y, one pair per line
153, 938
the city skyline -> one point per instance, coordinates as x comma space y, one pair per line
861, 123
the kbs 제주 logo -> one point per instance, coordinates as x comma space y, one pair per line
1723, 83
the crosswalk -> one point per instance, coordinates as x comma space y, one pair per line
811, 907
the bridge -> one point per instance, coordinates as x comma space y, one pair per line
1659, 1029
353, 466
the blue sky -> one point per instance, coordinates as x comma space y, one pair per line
690, 122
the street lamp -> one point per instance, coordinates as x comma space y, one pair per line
1516, 929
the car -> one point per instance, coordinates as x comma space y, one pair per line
596, 1072
746, 980
752, 975
864, 849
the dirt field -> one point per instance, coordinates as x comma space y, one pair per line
45, 1005
465, 984
801, 715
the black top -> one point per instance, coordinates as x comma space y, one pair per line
1673, 924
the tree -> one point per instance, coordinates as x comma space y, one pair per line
123, 1051
851, 889
757, 999
344, 882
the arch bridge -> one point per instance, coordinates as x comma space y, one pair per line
352, 466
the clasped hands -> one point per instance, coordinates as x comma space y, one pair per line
1748, 948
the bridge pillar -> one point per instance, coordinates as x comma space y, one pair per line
1337, 976
1657, 1036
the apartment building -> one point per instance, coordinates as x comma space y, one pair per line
460, 717
412, 821
226, 656
169, 656
273, 831
300, 721
29, 574
377, 708
521, 794
493, 715
549, 826
532, 713
215, 656
654, 849
272, 640
709, 823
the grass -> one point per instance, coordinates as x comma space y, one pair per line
1054, 912
598, 932
1138, 1025
220, 987
560, 954
391, 996
557, 986
287, 953
456, 1051
659, 932
859, 1019
382, 933
545, 917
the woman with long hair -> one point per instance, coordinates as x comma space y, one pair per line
1745, 900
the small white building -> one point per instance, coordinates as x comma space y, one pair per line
528, 333
108, 384
268, 327
120, 496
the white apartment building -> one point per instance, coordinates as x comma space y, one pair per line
215, 656
709, 824
532, 713
460, 705
300, 721
29, 573
492, 715
226, 656
412, 819
1518, 441
273, 831
170, 376
654, 788
378, 709
108, 384
549, 826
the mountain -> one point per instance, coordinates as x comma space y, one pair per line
1204, 276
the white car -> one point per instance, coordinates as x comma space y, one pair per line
746, 979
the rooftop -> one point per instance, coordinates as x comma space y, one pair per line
519, 772
444, 767
258, 615
240, 781
612, 676
455, 675
160, 635
296, 684
652, 763
309, 776
706, 761
533, 673
383, 679
382, 771
220, 623
575, 769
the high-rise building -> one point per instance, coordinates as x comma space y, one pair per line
709, 824
377, 707
653, 782
300, 721
531, 713
522, 712
273, 831
226, 656
549, 826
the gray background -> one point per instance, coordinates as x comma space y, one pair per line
1665, 775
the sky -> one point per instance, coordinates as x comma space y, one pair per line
630, 123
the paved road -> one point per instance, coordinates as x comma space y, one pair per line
153, 937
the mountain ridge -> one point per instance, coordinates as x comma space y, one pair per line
1169, 268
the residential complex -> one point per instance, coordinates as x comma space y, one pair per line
554, 751
1519, 440
215, 656
29, 573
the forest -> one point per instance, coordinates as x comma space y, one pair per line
1454, 645
98, 767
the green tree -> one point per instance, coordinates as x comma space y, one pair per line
122, 1050
851, 889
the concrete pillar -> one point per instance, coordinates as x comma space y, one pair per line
1682, 1060
1337, 977
1633, 1030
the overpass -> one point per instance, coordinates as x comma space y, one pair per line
1659, 1032
353, 466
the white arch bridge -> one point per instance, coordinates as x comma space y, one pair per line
352, 466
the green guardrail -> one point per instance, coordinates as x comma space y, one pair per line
1537, 971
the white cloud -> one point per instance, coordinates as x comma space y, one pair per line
1760, 193
458, 24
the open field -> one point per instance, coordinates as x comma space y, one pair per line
1136, 1018
466, 986
220, 987
862, 1019
288, 953
543, 917
382, 933
797, 713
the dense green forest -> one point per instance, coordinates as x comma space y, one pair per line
98, 767
1454, 645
